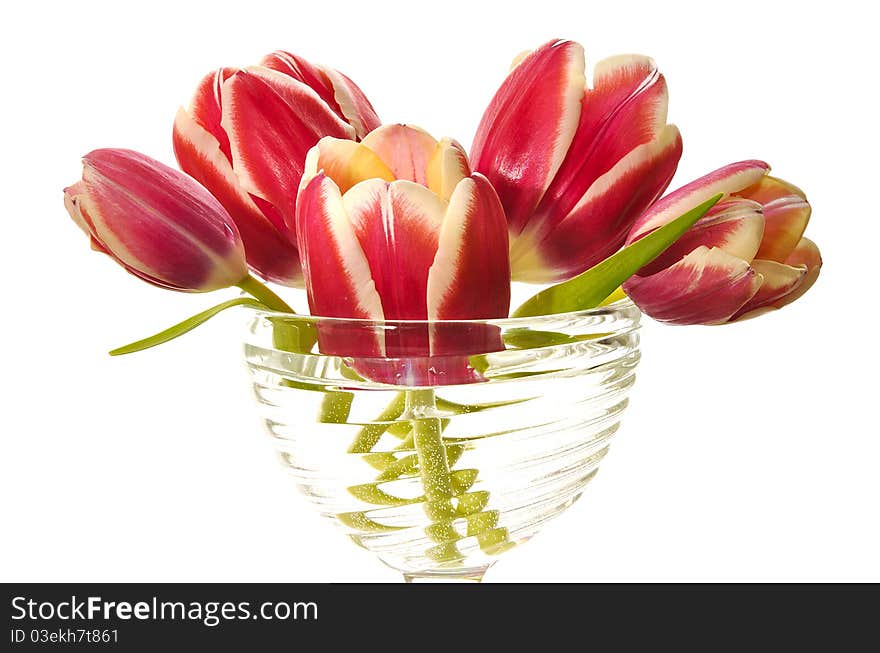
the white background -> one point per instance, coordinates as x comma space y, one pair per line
749, 452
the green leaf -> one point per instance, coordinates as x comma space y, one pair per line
183, 327
529, 339
590, 288
456, 408
371, 493
360, 522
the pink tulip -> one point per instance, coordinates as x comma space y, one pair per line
156, 222
575, 165
397, 228
245, 138
747, 256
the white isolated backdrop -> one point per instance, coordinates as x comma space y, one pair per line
749, 452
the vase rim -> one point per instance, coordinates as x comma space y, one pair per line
622, 308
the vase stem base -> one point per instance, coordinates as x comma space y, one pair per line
473, 575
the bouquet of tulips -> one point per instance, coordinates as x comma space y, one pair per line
288, 176
288, 172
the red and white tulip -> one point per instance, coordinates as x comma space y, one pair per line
245, 138
575, 165
398, 228
747, 256
156, 222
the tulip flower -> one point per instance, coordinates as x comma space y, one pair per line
245, 137
575, 165
747, 256
156, 222
398, 228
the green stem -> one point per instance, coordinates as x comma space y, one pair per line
440, 489
428, 441
262, 292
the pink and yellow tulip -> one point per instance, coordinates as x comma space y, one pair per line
575, 165
398, 228
747, 256
156, 222
245, 138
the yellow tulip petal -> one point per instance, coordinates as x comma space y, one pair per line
786, 214
345, 162
805, 254
447, 166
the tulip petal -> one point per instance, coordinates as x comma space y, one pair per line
598, 224
338, 280
270, 251
205, 107
806, 254
779, 280
73, 203
305, 72
518, 59
418, 370
625, 108
727, 180
353, 104
786, 212
528, 126
397, 226
405, 149
706, 287
447, 166
340, 93
272, 121
735, 225
346, 162
805, 257
470, 275
157, 222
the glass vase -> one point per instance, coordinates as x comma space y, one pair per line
439, 462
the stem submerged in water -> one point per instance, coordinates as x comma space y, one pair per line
428, 441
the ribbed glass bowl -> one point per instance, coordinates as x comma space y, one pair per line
438, 464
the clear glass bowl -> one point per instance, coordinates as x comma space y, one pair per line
439, 463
